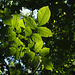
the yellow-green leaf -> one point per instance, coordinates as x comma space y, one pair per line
38, 46
47, 64
43, 15
30, 22
21, 23
44, 51
36, 37
28, 31
44, 31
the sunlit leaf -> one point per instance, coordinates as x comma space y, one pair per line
38, 46
28, 31
18, 29
44, 31
18, 41
12, 21
21, 23
12, 36
30, 22
30, 44
12, 50
17, 53
20, 36
15, 20
36, 37
47, 64
44, 51
21, 54
43, 15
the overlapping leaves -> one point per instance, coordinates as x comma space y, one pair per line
26, 36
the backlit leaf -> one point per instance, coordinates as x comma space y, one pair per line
43, 15
44, 51
30, 22
38, 46
21, 23
47, 64
17, 53
30, 44
18, 29
36, 37
12, 36
28, 31
12, 50
44, 31
15, 20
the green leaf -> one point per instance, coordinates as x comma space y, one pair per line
35, 61
18, 29
22, 54
20, 36
43, 15
15, 20
36, 37
17, 53
21, 23
44, 31
44, 51
30, 22
8, 21
18, 42
30, 55
12, 36
28, 31
12, 21
12, 50
38, 46
47, 64
30, 44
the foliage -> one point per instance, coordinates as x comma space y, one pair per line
46, 47
32, 33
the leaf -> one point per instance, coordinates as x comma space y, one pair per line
18, 42
15, 20
30, 55
44, 51
8, 21
38, 46
43, 15
28, 31
17, 53
12, 36
36, 37
18, 29
44, 31
47, 64
20, 36
12, 50
21, 54
21, 23
30, 44
30, 22
12, 21
35, 61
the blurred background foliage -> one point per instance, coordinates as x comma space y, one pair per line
61, 44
